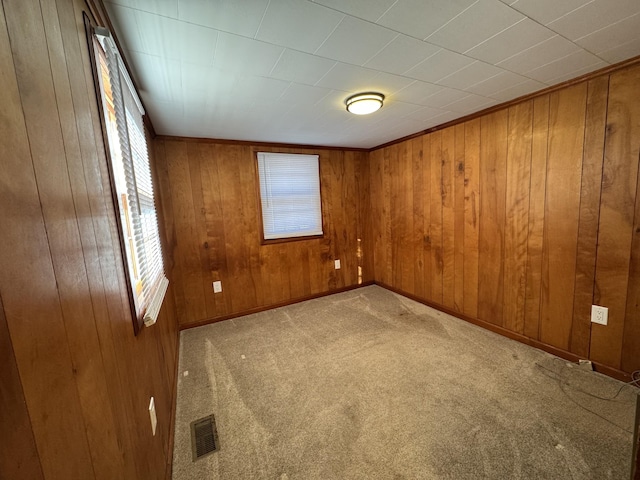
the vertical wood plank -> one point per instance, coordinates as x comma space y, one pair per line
417, 240
349, 228
459, 213
471, 215
517, 214
406, 251
18, 455
493, 170
537, 194
396, 214
376, 201
196, 156
215, 249
188, 268
344, 238
426, 213
238, 284
562, 205
617, 209
330, 199
387, 174
251, 235
435, 230
366, 218
72, 272
593, 157
448, 217
36, 326
631, 336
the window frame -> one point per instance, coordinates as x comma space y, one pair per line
158, 291
297, 238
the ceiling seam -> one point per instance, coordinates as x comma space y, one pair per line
450, 20
264, 13
330, 33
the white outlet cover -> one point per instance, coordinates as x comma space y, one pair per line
152, 415
599, 315
217, 287
337, 262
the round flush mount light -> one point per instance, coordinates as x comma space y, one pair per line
364, 103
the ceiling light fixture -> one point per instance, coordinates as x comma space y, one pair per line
364, 103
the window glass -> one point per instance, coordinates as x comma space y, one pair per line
290, 195
131, 180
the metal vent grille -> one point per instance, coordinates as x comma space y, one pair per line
204, 437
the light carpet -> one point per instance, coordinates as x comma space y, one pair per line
368, 384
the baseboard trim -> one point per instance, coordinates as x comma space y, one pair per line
272, 306
172, 420
572, 357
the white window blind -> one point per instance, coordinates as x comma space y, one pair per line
290, 195
131, 176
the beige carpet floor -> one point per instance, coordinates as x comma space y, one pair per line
367, 384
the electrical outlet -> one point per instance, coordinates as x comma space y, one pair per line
337, 262
217, 287
599, 314
152, 415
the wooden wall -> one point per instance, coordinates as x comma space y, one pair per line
523, 218
75, 382
213, 228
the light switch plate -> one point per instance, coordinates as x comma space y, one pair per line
217, 287
337, 262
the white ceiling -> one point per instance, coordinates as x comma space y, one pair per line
280, 70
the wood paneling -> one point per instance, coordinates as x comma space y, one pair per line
417, 237
631, 335
43, 365
543, 222
85, 380
18, 457
517, 214
562, 209
596, 117
407, 264
397, 220
617, 211
471, 215
459, 218
537, 191
365, 220
435, 226
387, 244
448, 217
210, 200
493, 173
426, 216
378, 214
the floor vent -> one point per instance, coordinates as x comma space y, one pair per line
204, 437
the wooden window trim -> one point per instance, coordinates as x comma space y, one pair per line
148, 311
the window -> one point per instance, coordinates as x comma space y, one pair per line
289, 195
131, 182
